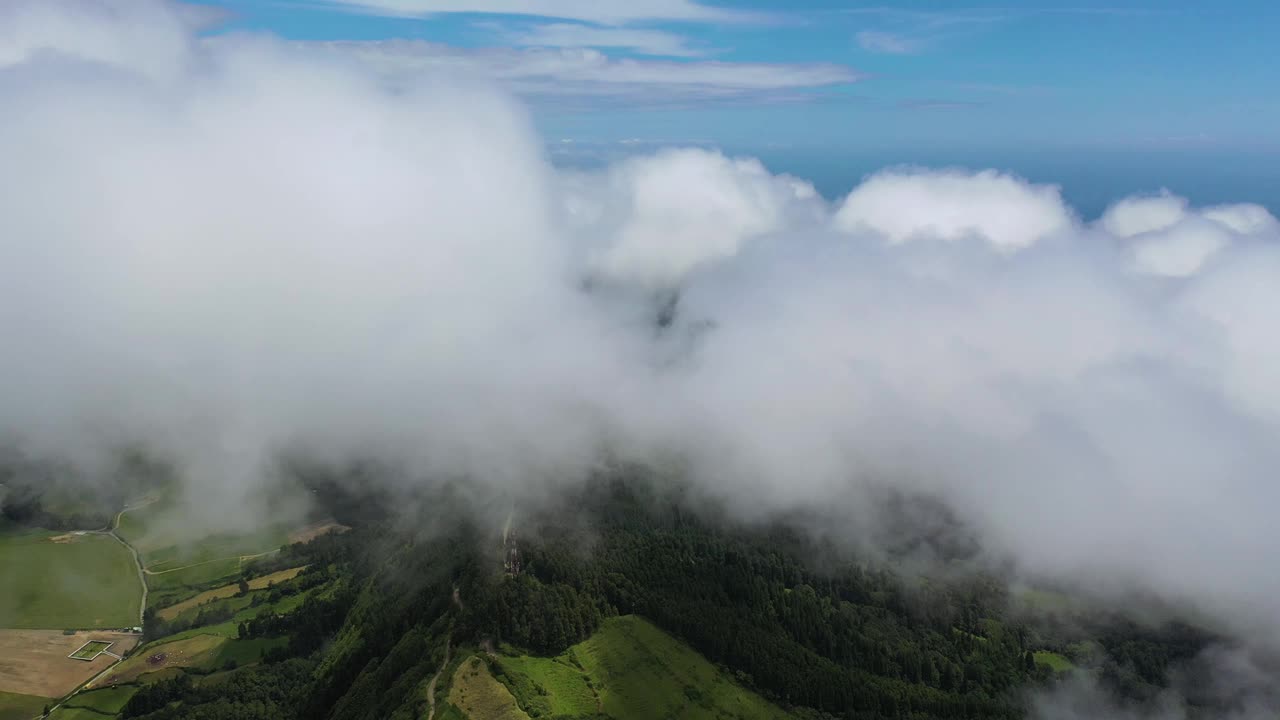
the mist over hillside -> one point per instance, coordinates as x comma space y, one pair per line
236, 250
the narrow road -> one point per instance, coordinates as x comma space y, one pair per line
137, 561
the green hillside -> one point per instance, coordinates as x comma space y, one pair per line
628, 669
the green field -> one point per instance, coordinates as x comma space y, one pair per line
108, 701
1056, 662
90, 650
567, 691
82, 581
70, 713
195, 576
166, 540
629, 669
21, 707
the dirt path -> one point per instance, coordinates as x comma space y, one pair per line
431, 686
448, 650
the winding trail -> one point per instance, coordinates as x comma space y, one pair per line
431, 686
448, 650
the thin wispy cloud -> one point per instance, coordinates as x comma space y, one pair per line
938, 104
901, 32
1004, 89
582, 78
935, 19
984, 15
888, 43
607, 12
574, 35
909, 32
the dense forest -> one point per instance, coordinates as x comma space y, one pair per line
837, 638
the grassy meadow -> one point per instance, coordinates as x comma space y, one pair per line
76, 713
21, 707
107, 701
477, 694
1056, 662
64, 580
627, 669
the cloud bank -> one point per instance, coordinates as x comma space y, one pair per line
1000, 209
232, 250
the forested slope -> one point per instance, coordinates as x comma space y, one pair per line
838, 638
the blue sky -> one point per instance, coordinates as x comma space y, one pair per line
1032, 85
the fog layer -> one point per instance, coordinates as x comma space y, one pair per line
230, 250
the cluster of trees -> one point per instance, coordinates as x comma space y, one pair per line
306, 627
544, 618
1139, 658
265, 692
155, 627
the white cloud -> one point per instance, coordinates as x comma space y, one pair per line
1167, 237
612, 12
654, 219
141, 38
888, 43
1243, 218
1137, 215
951, 205
591, 76
1180, 250
571, 35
